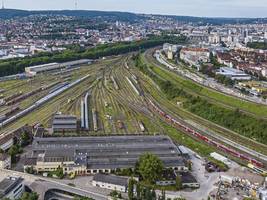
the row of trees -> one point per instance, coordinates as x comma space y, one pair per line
17, 65
235, 120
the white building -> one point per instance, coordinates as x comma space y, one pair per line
221, 158
234, 74
111, 182
5, 161
54, 66
11, 188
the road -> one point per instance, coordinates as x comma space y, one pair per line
208, 82
207, 181
41, 185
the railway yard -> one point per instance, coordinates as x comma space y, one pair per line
111, 96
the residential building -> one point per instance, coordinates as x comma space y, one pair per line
195, 56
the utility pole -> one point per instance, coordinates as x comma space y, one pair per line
76, 4
3, 4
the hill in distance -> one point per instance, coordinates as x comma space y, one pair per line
125, 16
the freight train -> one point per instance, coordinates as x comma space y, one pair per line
189, 130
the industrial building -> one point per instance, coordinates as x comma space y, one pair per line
11, 188
91, 155
111, 182
233, 74
54, 66
64, 123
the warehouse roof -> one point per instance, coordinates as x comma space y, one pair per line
188, 178
108, 152
115, 180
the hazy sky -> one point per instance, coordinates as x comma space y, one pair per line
219, 8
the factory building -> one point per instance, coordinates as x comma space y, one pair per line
11, 188
64, 123
234, 74
91, 155
54, 66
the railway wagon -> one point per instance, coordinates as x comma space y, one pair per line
86, 108
115, 83
23, 97
133, 86
13, 96
95, 119
141, 126
41, 102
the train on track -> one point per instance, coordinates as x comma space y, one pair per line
189, 130
41, 102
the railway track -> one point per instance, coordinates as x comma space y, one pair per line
218, 138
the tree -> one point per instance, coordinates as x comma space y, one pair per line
148, 194
150, 167
178, 183
29, 196
29, 170
138, 191
25, 139
163, 195
131, 189
13, 151
153, 194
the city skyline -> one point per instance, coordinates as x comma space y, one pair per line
205, 8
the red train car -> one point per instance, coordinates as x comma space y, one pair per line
204, 138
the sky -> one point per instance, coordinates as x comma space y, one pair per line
202, 8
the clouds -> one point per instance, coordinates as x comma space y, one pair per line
218, 8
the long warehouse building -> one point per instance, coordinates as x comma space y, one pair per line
33, 70
90, 155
